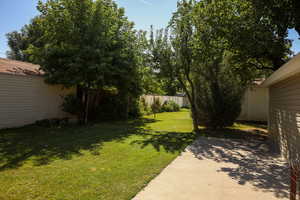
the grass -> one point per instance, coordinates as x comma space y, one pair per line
240, 130
104, 161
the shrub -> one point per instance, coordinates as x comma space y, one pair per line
219, 96
71, 104
170, 106
135, 110
187, 106
55, 122
144, 107
156, 105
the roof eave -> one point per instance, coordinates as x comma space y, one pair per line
287, 70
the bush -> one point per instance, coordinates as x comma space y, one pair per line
71, 104
170, 106
135, 110
187, 106
219, 97
112, 106
144, 107
156, 106
55, 122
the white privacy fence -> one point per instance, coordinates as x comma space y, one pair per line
181, 101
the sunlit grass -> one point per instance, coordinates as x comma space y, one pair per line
104, 161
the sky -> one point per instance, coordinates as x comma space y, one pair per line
144, 13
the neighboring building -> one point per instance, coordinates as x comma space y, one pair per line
255, 105
25, 97
284, 114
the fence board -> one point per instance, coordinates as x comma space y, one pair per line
181, 101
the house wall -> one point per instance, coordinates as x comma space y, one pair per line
284, 121
255, 105
26, 99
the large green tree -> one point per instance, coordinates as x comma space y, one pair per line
284, 14
219, 82
89, 44
252, 38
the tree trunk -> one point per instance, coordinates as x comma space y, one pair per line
191, 99
195, 119
86, 107
127, 106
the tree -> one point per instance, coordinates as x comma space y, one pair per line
149, 80
88, 44
219, 92
19, 42
159, 80
284, 14
253, 39
184, 63
219, 82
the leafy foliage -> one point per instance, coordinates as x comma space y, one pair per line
253, 39
145, 109
94, 49
170, 106
156, 106
71, 104
51, 123
161, 55
19, 41
283, 14
219, 94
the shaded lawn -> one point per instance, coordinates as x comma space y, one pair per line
104, 161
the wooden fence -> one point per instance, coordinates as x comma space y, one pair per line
181, 101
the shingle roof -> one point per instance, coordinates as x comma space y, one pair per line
19, 68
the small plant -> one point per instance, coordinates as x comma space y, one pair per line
156, 106
170, 106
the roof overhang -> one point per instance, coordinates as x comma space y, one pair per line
287, 70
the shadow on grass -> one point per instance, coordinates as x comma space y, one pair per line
231, 133
258, 124
246, 157
173, 142
41, 145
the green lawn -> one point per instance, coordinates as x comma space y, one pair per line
104, 161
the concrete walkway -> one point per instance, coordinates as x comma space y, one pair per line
221, 169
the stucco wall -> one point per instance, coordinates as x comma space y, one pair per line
284, 122
255, 105
25, 99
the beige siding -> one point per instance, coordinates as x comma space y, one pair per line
25, 99
284, 122
255, 105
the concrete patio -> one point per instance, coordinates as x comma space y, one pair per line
221, 169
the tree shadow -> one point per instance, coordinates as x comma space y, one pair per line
232, 133
40, 145
173, 142
247, 160
259, 124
